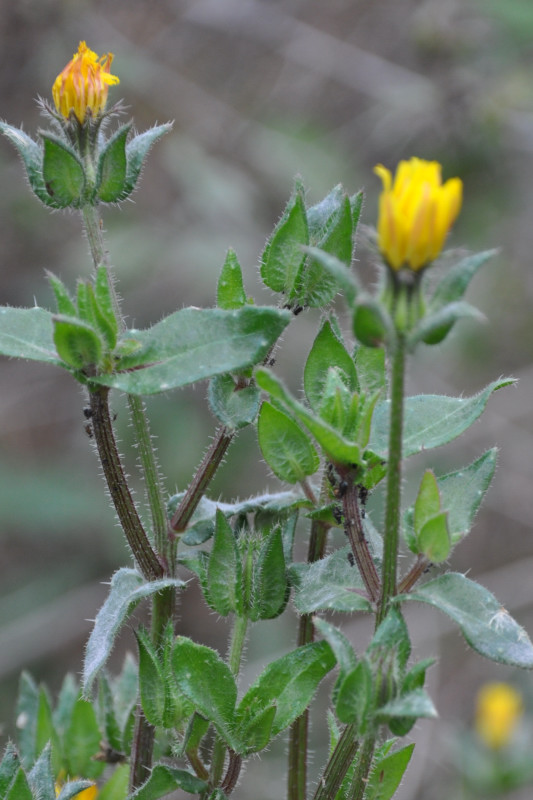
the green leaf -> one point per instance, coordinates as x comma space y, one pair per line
387, 774
431, 420
116, 788
285, 447
331, 583
230, 287
76, 342
224, 570
19, 789
136, 152
413, 704
113, 734
339, 271
370, 366
8, 768
283, 254
372, 326
207, 681
32, 157
456, 279
63, 173
354, 696
392, 635
125, 690
65, 304
164, 779
45, 729
27, 710
462, 492
486, 625
233, 407
40, 778
342, 649
128, 588
427, 503
111, 171
289, 683
327, 351
193, 344
28, 333
106, 313
434, 328
339, 450
270, 589
434, 538
256, 733
82, 742
151, 680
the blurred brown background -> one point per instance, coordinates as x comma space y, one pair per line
260, 91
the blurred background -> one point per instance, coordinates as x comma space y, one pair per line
261, 91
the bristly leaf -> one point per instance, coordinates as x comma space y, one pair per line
224, 570
327, 351
136, 152
285, 447
32, 157
164, 780
230, 287
111, 171
63, 172
28, 333
331, 583
486, 625
283, 254
456, 279
77, 343
270, 588
234, 407
387, 773
128, 588
431, 420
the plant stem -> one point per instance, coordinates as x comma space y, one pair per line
118, 486
338, 765
238, 638
394, 477
141, 751
417, 569
353, 526
299, 731
362, 770
204, 474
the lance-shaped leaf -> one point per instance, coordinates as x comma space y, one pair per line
223, 575
111, 172
327, 351
344, 277
413, 705
431, 420
32, 157
63, 173
289, 683
41, 779
283, 254
128, 588
486, 625
387, 774
434, 328
77, 342
28, 333
230, 287
285, 447
457, 278
19, 788
206, 680
164, 780
270, 591
136, 152
193, 344
339, 449
8, 767
331, 583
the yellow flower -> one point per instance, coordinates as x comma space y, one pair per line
415, 212
498, 710
84, 83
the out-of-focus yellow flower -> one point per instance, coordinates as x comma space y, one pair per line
498, 710
84, 83
416, 211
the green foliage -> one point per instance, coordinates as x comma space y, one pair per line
387, 773
63, 172
486, 625
127, 589
230, 287
111, 170
234, 406
327, 351
285, 447
331, 583
164, 779
32, 158
136, 151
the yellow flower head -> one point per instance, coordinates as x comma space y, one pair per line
84, 83
498, 710
416, 211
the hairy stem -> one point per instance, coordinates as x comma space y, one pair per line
394, 478
362, 770
204, 475
130, 521
417, 570
353, 526
141, 751
338, 765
